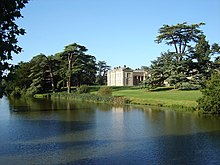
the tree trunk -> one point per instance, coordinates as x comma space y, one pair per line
68, 84
174, 42
52, 82
69, 76
52, 79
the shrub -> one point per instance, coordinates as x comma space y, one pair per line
16, 92
105, 91
210, 101
83, 89
187, 86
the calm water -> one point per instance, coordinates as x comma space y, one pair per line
61, 132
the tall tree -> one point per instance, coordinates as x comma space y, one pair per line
72, 54
87, 72
38, 73
161, 69
102, 69
180, 36
200, 57
216, 49
18, 79
51, 64
9, 31
191, 60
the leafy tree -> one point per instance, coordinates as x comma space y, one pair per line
87, 72
20, 76
9, 30
17, 79
164, 68
191, 62
60, 70
102, 69
78, 64
44, 72
38, 73
33, 77
201, 64
210, 102
52, 65
216, 49
180, 36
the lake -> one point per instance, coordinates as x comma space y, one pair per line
44, 131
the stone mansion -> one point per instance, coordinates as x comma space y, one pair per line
125, 76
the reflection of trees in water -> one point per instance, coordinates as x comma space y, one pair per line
30, 104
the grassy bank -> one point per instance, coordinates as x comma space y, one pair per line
135, 95
168, 98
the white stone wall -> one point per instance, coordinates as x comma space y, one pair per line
115, 77
123, 76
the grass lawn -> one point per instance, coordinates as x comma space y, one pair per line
160, 98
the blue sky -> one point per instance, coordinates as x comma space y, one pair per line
120, 32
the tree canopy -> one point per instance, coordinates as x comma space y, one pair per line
189, 63
180, 35
72, 67
10, 10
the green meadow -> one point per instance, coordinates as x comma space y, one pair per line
168, 98
163, 97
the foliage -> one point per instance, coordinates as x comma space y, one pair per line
190, 65
210, 101
180, 36
160, 70
187, 86
83, 89
16, 92
2, 88
105, 91
78, 64
93, 98
102, 69
50, 73
9, 12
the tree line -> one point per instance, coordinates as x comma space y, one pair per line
71, 67
190, 64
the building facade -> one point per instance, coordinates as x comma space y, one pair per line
125, 76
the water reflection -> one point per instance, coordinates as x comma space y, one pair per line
40, 131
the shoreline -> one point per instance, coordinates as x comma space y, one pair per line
116, 100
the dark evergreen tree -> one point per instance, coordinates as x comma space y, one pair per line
102, 69
210, 102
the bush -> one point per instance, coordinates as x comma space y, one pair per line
16, 92
187, 86
83, 89
105, 91
210, 102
